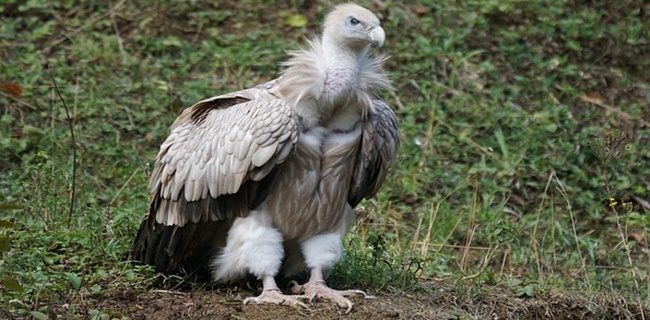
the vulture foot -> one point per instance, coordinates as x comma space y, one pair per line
277, 297
319, 290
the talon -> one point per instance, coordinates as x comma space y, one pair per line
350, 305
348, 293
295, 288
313, 297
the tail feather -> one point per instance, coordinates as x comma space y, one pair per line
179, 250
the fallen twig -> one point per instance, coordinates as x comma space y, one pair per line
73, 188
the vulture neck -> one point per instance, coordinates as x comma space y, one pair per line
333, 83
334, 46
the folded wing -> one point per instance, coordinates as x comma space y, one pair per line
377, 153
216, 164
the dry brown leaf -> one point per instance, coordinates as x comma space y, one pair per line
639, 238
12, 89
421, 10
592, 97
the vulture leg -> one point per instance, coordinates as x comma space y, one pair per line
254, 246
321, 253
272, 294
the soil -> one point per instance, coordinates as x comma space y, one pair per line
434, 300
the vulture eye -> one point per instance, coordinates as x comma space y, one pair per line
354, 21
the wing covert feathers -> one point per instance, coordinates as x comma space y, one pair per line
380, 140
213, 151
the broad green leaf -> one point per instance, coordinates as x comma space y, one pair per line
95, 288
39, 276
38, 315
74, 279
172, 41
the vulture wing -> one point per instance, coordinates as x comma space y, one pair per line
216, 164
379, 144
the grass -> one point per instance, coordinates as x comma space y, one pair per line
520, 121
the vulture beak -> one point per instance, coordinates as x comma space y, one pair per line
377, 36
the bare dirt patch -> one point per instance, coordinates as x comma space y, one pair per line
434, 300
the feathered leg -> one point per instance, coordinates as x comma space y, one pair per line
254, 246
321, 253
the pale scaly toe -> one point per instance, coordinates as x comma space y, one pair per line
277, 297
322, 291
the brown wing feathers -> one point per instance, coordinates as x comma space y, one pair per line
217, 163
170, 247
380, 141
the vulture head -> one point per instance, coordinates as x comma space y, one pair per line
337, 70
352, 26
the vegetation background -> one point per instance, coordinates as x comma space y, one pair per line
522, 188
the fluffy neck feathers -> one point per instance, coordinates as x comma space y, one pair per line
329, 78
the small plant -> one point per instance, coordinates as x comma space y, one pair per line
609, 147
521, 288
372, 263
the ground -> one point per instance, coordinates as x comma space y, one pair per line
439, 299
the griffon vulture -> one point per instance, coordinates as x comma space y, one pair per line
263, 181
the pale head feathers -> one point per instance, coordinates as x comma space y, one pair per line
337, 70
354, 26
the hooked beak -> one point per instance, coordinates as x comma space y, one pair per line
377, 36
